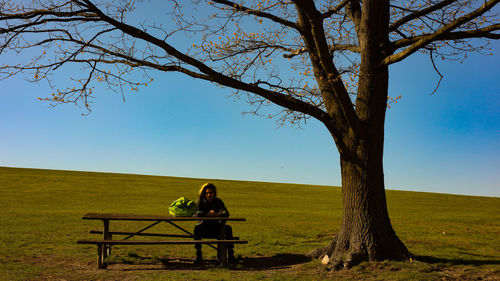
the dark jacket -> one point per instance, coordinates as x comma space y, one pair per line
217, 205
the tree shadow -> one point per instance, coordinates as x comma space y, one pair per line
277, 261
435, 260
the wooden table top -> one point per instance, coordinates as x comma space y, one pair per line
134, 217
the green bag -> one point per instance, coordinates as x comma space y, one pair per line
182, 207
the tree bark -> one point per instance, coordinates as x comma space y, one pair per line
366, 233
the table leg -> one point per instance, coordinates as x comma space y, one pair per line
100, 256
109, 246
222, 247
106, 236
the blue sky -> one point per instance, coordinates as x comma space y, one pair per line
447, 142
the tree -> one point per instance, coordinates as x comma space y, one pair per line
328, 60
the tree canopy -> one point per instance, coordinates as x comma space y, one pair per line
256, 47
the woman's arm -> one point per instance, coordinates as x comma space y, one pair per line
223, 212
202, 209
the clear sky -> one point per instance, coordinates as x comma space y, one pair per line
448, 142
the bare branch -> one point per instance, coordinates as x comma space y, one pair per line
420, 13
485, 32
437, 71
335, 9
354, 12
212, 75
36, 13
258, 13
334, 93
332, 48
240, 46
441, 34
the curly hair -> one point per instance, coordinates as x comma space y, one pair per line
204, 188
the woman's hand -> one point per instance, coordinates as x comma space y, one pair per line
212, 213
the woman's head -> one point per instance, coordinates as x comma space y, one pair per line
208, 191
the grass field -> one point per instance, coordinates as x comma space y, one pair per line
452, 237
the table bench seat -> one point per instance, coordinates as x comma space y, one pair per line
101, 264
146, 234
159, 242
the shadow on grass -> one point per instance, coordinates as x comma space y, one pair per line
277, 261
434, 260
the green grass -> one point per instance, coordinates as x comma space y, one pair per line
453, 237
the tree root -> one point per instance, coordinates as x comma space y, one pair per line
320, 252
340, 258
353, 258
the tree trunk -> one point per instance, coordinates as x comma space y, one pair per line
366, 233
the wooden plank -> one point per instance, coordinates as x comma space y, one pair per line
159, 242
142, 234
132, 217
147, 234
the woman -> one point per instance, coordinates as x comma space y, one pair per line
211, 206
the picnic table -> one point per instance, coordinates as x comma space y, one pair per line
104, 245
